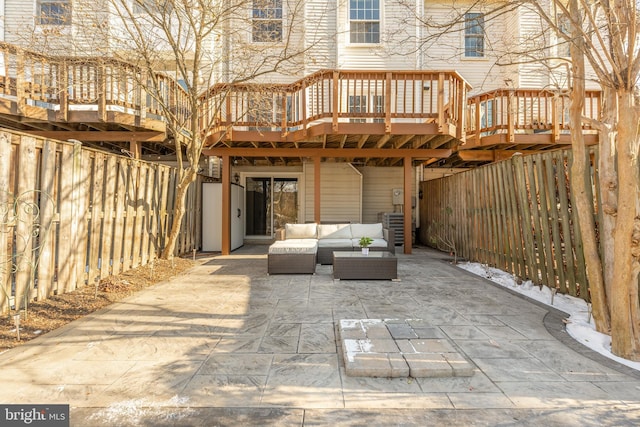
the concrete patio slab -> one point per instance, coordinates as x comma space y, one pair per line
225, 344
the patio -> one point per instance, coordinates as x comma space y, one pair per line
226, 344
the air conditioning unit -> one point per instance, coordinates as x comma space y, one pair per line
215, 167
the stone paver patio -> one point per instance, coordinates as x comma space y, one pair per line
226, 344
399, 348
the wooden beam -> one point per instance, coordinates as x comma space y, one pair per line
97, 136
494, 155
316, 189
407, 204
477, 155
420, 153
135, 148
226, 205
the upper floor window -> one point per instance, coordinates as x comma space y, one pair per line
54, 12
364, 21
474, 35
267, 21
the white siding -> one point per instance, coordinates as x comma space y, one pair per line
82, 37
340, 192
320, 35
445, 49
19, 17
377, 193
534, 74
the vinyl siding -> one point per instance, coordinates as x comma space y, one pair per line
320, 35
19, 18
377, 190
532, 75
446, 50
340, 192
79, 38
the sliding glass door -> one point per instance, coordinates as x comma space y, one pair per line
271, 203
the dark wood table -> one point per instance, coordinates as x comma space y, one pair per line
374, 266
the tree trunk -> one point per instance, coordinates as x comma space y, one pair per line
608, 184
581, 180
625, 312
187, 178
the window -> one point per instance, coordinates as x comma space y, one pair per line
54, 12
267, 21
364, 21
357, 104
474, 35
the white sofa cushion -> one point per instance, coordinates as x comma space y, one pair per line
300, 231
334, 231
335, 243
367, 230
294, 246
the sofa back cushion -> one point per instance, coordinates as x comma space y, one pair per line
300, 231
334, 231
369, 230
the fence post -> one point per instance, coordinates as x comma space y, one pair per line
5, 260
24, 224
47, 212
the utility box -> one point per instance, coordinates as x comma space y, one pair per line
397, 196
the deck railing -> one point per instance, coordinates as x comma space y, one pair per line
67, 84
339, 96
512, 111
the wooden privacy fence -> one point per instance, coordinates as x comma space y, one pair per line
71, 216
516, 215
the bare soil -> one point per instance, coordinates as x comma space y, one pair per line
57, 311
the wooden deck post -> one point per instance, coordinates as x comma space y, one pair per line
101, 84
21, 99
477, 120
408, 162
336, 95
511, 116
226, 205
63, 92
135, 148
303, 106
387, 104
555, 130
441, 116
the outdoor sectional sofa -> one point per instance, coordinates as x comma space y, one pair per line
299, 247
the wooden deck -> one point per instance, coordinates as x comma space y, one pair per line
370, 117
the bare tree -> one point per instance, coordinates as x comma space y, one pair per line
603, 38
198, 43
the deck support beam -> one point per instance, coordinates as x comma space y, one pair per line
408, 163
226, 206
316, 189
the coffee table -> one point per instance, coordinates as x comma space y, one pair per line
377, 265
